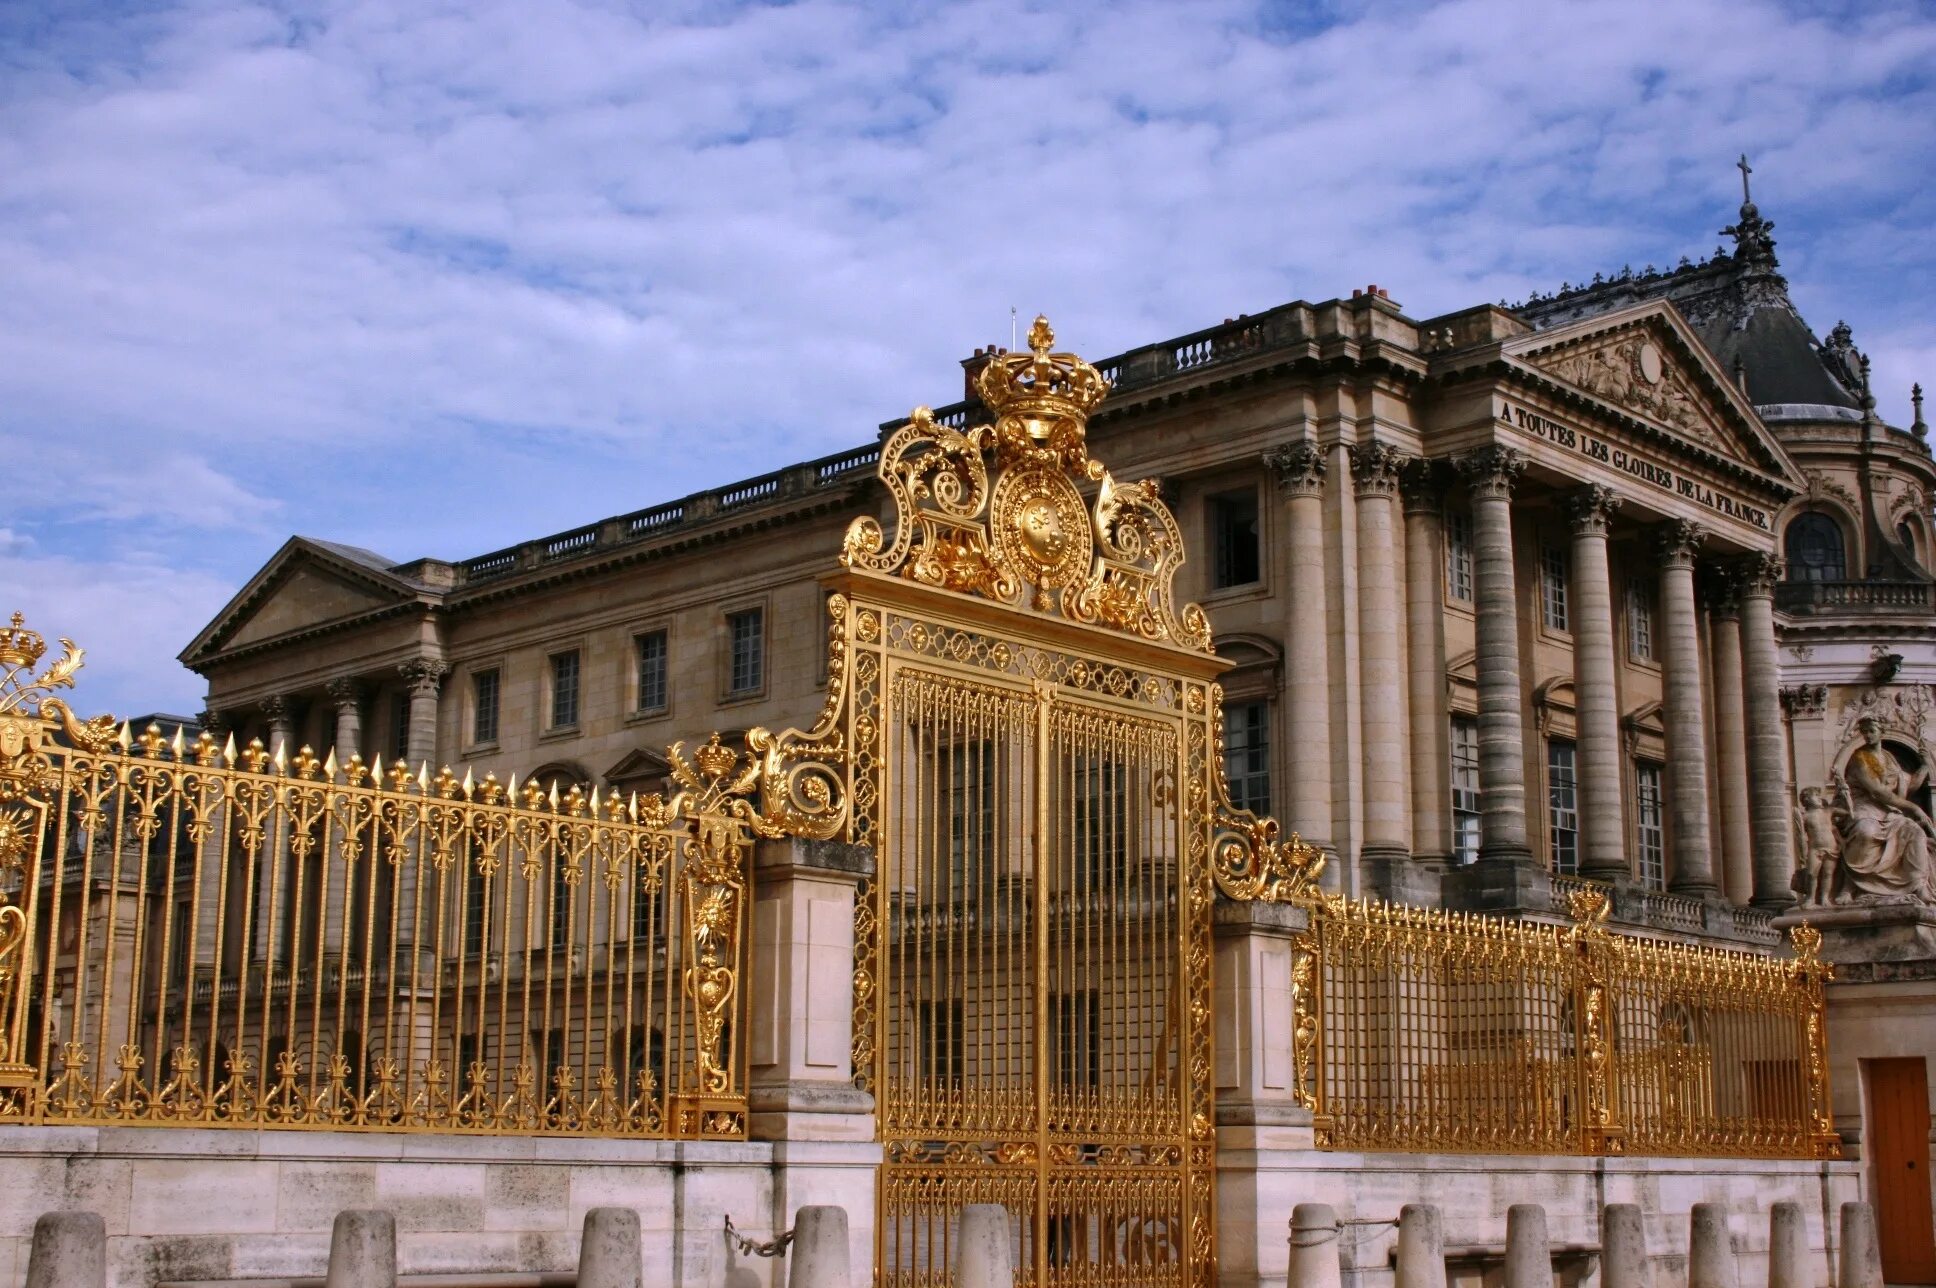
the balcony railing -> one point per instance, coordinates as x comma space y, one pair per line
1809, 597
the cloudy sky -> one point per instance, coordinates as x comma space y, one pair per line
435, 277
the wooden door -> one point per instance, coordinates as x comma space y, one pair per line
1898, 1147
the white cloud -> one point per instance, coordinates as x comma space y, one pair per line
325, 267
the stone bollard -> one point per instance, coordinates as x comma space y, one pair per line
1710, 1252
1623, 1248
1861, 1254
1315, 1251
819, 1256
1529, 1257
609, 1252
1788, 1247
1421, 1247
363, 1250
70, 1250
983, 1255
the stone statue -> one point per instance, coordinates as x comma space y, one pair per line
1818, 826
1886, 839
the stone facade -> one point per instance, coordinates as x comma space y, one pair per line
1502, 593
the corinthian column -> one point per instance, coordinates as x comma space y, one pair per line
1490, 474
281, 715
1300, 474
1423, 483
1686, 733
1374, 470
347, 694
1774, 859
1603, 833
424, 676
1730, 736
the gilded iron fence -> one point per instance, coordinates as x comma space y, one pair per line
1421, 1030
193, 933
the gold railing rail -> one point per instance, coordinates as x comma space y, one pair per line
1419, 1030
193, 933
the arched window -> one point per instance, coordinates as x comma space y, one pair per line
1814, 547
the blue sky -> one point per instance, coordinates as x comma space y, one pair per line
435, 277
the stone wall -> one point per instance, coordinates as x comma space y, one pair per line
1257, 1188
184, 1204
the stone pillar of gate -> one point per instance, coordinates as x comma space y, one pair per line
1262, 1130
800, 1037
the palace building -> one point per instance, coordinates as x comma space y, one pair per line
1583, 644
1511, 593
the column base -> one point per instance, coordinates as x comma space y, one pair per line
806, 1110
1397, 877
1499, 884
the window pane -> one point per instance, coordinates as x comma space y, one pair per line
972, 792
1640, 619
400, 726
1649, 835
1563, 808
484, 707
1465, 789
1233, 522
1814, 548
1246, 755
1552, 587
564, 689
1458, 556
748, 651
652, 671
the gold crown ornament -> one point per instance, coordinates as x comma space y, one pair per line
1041, 401
20, 648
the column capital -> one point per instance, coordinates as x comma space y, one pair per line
1422, 482
1492, 471
277, 709
1375, 467
1299, 467
1721, 592
214, 721
424, 674
1591, 510
1804, 699
1678, 542
345, 692
1757, 574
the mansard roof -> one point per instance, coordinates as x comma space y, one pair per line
1738, 303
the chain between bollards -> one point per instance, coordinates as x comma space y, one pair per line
774, 1247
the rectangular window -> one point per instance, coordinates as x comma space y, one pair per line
1233, 539
1562, 808
969, 769
1458, 557
652, 671
484, 706
564, 689
1650, 836
747, 634
1465, 789
1246, 755
1552, 587
474, 903
1640, 619
940, 1041
1102, 822
1078, 1045
400, 726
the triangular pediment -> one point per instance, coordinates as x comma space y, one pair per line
304, 586
1646, 363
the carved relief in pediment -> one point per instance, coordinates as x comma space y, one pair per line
1634, 372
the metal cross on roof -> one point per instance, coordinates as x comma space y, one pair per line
1746, 170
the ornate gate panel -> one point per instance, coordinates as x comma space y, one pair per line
1032, 731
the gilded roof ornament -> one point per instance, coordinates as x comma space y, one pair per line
1007, 512
29, 711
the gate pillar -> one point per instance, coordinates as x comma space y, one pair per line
801, 1090
1262, 1126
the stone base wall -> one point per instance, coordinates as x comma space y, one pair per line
184, 1204
1259, 1182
